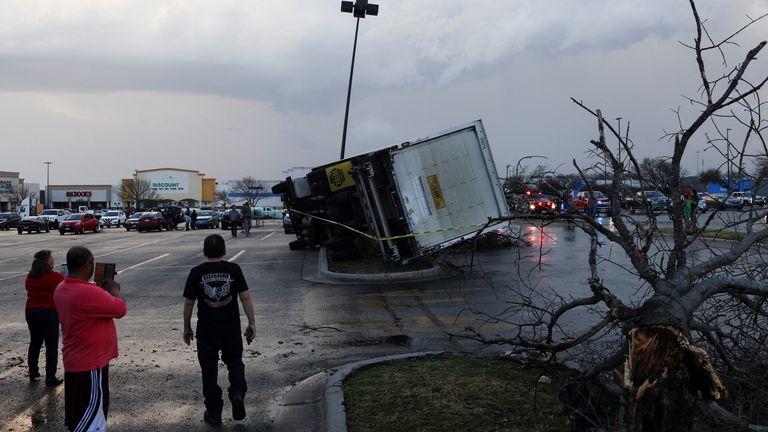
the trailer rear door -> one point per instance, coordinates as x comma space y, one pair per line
449, 185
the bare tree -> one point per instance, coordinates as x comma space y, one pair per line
711, 175
136, 190
659, 174
222, 196
703, 312
20, 192
250, 188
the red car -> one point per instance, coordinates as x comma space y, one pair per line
79, 223
152, 221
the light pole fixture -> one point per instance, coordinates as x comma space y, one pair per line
48, 184
359, 9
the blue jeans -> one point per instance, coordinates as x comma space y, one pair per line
43, 326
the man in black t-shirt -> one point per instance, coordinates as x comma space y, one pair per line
216, 285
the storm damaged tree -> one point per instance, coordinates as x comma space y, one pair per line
701, 324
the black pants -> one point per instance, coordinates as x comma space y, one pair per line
233, 226
43, 327
229, 342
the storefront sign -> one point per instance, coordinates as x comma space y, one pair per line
79, 194
168, 181
64, 196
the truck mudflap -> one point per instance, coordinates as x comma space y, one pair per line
401, 202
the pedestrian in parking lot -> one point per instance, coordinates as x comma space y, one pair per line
216, 285
42, 318
234, 220
246, 216
87, 312
193, 218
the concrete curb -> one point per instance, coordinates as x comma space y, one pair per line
335, 414
436, 272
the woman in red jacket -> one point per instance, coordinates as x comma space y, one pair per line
42, 318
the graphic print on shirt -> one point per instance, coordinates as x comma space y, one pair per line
216, 287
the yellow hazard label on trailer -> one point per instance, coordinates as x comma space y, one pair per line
339, 176
437, 193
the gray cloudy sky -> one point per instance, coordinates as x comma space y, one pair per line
235, 88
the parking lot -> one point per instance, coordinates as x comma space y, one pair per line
304, 327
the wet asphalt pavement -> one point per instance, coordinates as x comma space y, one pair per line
303, 327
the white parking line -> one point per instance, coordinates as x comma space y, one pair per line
237, 255
269, 235
144, 262
23, 421
137, 246
13, 276
9, 259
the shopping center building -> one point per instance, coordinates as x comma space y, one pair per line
168, 186
94, 197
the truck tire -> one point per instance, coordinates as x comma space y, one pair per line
297, 245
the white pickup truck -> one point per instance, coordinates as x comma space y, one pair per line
54, 216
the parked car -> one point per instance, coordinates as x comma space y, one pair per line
541, 204
152, 221
79, 223
758, 200
225, 221
602, 204
112, 218
745, 197
9, 220
54, 216
653, 200
32, 223
735, 201
207, 219
132, 221
288, 224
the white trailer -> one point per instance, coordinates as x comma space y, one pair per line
411, 199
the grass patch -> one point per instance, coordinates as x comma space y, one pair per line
715, 234
455, 394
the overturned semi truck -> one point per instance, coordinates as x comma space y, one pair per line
401, 202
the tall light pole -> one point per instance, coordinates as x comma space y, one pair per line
618, 119
698, 167
48, 184
728, 156
359, 9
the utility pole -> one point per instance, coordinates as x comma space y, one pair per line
48, 184
359, 9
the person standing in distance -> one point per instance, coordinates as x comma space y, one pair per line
87, 312
42, 318
234, 220
246, 216
216, 285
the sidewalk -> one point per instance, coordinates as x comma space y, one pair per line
316, 404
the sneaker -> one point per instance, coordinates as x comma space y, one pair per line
53, 382
212, 419
238, 408
34, 376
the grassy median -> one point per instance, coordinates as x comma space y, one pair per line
455, 394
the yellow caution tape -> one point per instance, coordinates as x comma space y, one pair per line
365, 234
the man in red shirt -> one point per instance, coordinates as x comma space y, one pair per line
86, 312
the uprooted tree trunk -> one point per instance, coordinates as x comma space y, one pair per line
662, 370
